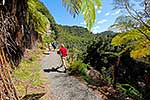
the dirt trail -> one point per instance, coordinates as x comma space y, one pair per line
63, 86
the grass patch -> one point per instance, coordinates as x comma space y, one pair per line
27, 76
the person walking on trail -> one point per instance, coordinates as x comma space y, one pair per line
63, 54
48, 46
54, 44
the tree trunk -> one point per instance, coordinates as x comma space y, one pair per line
115, 71
7, 88
12, 43
147, 87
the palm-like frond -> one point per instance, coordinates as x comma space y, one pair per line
127, 38
73, 6
139, 44
141, 49
86, 7
123, 23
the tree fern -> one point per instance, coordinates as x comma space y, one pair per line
124, 23
141, 49
134, 39
126, 38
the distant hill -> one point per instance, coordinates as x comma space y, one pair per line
78, 30
107, 33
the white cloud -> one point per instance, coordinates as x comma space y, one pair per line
96, 29
117, 12
83, 23
99, 11
107, 14
102, 21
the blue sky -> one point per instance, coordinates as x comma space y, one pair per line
104, 17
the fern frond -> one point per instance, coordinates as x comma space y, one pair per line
139, 44
73, 6
141, 49
86, 7
126, 37
40, 21
139, 53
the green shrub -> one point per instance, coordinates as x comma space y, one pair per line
74, 66
78, 67
106, 74
83, 68
129, 90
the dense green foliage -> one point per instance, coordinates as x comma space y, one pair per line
96, 54
75, 38
40, 21
101, 54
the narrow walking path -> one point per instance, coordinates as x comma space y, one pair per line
63, 86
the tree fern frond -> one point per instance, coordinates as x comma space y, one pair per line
73, 6
86, 7
139, 44
127, 37
89, 13
141, 52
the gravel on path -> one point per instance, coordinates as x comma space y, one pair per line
63, 86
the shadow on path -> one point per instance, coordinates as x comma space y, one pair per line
53, 70
33, 96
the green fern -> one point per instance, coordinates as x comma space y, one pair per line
141, 49
86, 7
138, 42
40, 21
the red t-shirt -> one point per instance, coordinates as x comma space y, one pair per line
63, 51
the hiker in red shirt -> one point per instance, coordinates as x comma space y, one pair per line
63, 53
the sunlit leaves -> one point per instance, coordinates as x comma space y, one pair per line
126, 37
89, 13
40, 21
141, 49
86, 7
73, 6
88, 10
139, 44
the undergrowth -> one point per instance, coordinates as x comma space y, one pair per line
27, 75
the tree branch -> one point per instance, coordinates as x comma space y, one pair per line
147, 37
145, 5
138, 18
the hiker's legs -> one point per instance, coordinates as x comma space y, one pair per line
63, 62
